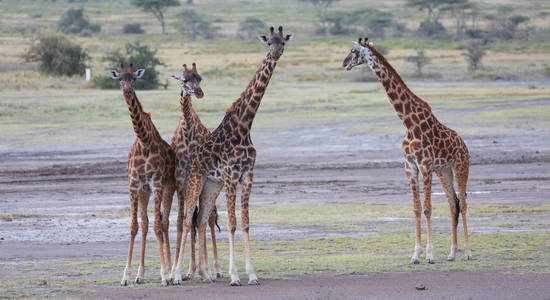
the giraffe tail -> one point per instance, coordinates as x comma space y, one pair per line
216, 214
457, 205
195, 222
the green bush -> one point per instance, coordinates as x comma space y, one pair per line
194, 25
133, 28
74, 21
56, 55
141, 57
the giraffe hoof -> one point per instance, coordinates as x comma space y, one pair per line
176, 282
235, 283
430, 261
124, 282
208, 280
219, 275
254, 282
164, 283
468, 257
415, 261
187, 277
138, 281
450, 258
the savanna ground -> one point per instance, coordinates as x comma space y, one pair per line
331, 208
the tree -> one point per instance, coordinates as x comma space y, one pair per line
74, 21
57, 55
371, 22
419, 60
157, 7
474, 52
141, 57
321, 6
251, 26
195, 25
431, 26
459, 10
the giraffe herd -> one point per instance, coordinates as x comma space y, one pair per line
198, 164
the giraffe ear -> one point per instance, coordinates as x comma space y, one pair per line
177, 78
114, 74
262, 38
139, 73
289, 37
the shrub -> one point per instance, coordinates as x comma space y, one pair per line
133, 28
474, 52
419, 60
74, 21
431, 28
142, 57
56, 55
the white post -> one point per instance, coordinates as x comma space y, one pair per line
88, 74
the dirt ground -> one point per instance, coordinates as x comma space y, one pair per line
71, 205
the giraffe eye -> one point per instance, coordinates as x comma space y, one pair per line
185, 81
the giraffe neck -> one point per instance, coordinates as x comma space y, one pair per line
139, 118
185, 102
409, 107
244, 109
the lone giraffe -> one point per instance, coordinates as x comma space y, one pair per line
225, 159
188, 134
150, 161
428, 146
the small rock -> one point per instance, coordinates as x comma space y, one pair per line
42, 283
420, 287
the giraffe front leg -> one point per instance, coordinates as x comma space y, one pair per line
412, 172
133, 232
245, 197
192, 240
142, 207
191, 197
426, 172
231, 194
179, 225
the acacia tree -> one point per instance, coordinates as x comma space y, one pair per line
431, 26
474, 52
157, 7
251, 26
321, 6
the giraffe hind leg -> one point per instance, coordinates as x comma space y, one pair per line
461, 173
446, 179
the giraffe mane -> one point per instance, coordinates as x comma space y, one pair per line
390, 68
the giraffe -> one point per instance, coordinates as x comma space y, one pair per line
428, 146
226, 159
189, 132
150, 162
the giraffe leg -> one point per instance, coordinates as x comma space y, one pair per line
461, 174
158, 231
426, 172
142, 207
192, 239
446, 179
412, 172
212, 223
231, 194
165, 213
207, 201
191, 197
247, 187
179, 225
133, 231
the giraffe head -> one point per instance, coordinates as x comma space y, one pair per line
363, 52
276, 42
190, 81
127, 78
